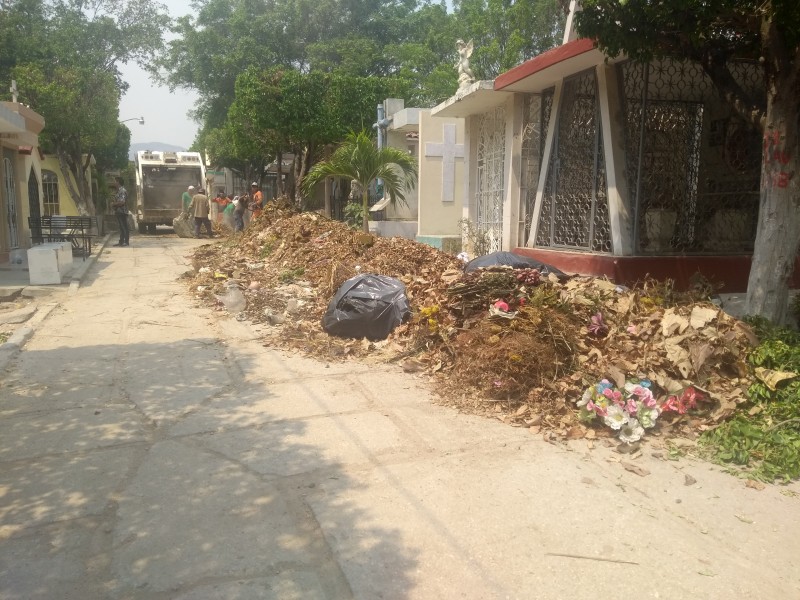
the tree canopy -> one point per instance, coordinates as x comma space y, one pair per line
410, 41
66, 54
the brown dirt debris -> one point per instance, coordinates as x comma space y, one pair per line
499, 342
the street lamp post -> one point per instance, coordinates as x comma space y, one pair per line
140, 119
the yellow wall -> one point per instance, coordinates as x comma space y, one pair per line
66, 203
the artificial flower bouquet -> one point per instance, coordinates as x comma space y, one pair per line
633, 409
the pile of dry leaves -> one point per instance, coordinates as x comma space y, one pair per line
513, 344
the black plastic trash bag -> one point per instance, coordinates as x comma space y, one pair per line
367, 305
509, 259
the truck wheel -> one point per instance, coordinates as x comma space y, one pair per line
151, 228
142, 227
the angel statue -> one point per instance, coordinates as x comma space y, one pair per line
465, 75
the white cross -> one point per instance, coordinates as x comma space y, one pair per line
449, 151
13, 90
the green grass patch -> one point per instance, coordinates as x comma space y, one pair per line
763, 441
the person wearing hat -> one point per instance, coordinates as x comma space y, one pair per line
199, 207
187, 198
258, 199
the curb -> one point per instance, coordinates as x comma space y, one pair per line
80, 273
14, 344
17, 340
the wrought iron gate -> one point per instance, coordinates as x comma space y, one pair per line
33, 205
692, 166
491, 176
11, 203
536, 117
574, 210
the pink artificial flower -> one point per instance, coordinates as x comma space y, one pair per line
632, 330
690, 396
598, 326
501, 305
631, 406
597, 409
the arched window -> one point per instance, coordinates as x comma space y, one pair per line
50, 191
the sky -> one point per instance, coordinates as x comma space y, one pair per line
164, 112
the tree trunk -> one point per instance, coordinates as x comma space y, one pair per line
778, 233
365, 206
76, 181
328, 181
279, 175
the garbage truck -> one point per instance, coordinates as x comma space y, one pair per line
161, 179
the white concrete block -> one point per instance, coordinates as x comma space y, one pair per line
48, 263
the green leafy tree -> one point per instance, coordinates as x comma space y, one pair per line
713, 33
287, 112
359, 160
64, 55
507, 32
73, 134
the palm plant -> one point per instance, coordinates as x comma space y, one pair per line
357, 158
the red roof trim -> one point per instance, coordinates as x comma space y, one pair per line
543, 61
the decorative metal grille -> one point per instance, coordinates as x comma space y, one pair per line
536, 117
11, 202
693, 167
491, 176
575, 204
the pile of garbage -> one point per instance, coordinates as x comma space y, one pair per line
522, 342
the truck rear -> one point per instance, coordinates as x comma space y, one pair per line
161, 179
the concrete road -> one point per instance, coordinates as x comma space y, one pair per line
152, 450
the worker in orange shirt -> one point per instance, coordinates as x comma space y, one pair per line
257, 199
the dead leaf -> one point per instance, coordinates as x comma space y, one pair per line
744, 519
411, 366
623, 304
702, 315
665, 381
640, 471
773, 378
747, 331
521, 410
672, 322
678, 356
688, 479
756, 485
576, 432
699, 353
617, 375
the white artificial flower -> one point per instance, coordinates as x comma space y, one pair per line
632, 431
615, 417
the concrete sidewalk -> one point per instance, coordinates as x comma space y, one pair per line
154, 449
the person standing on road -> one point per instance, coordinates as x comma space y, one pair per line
240, 205
258, 199
120, 205
187, 198
199, 207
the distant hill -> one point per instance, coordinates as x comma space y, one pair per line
153, 146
